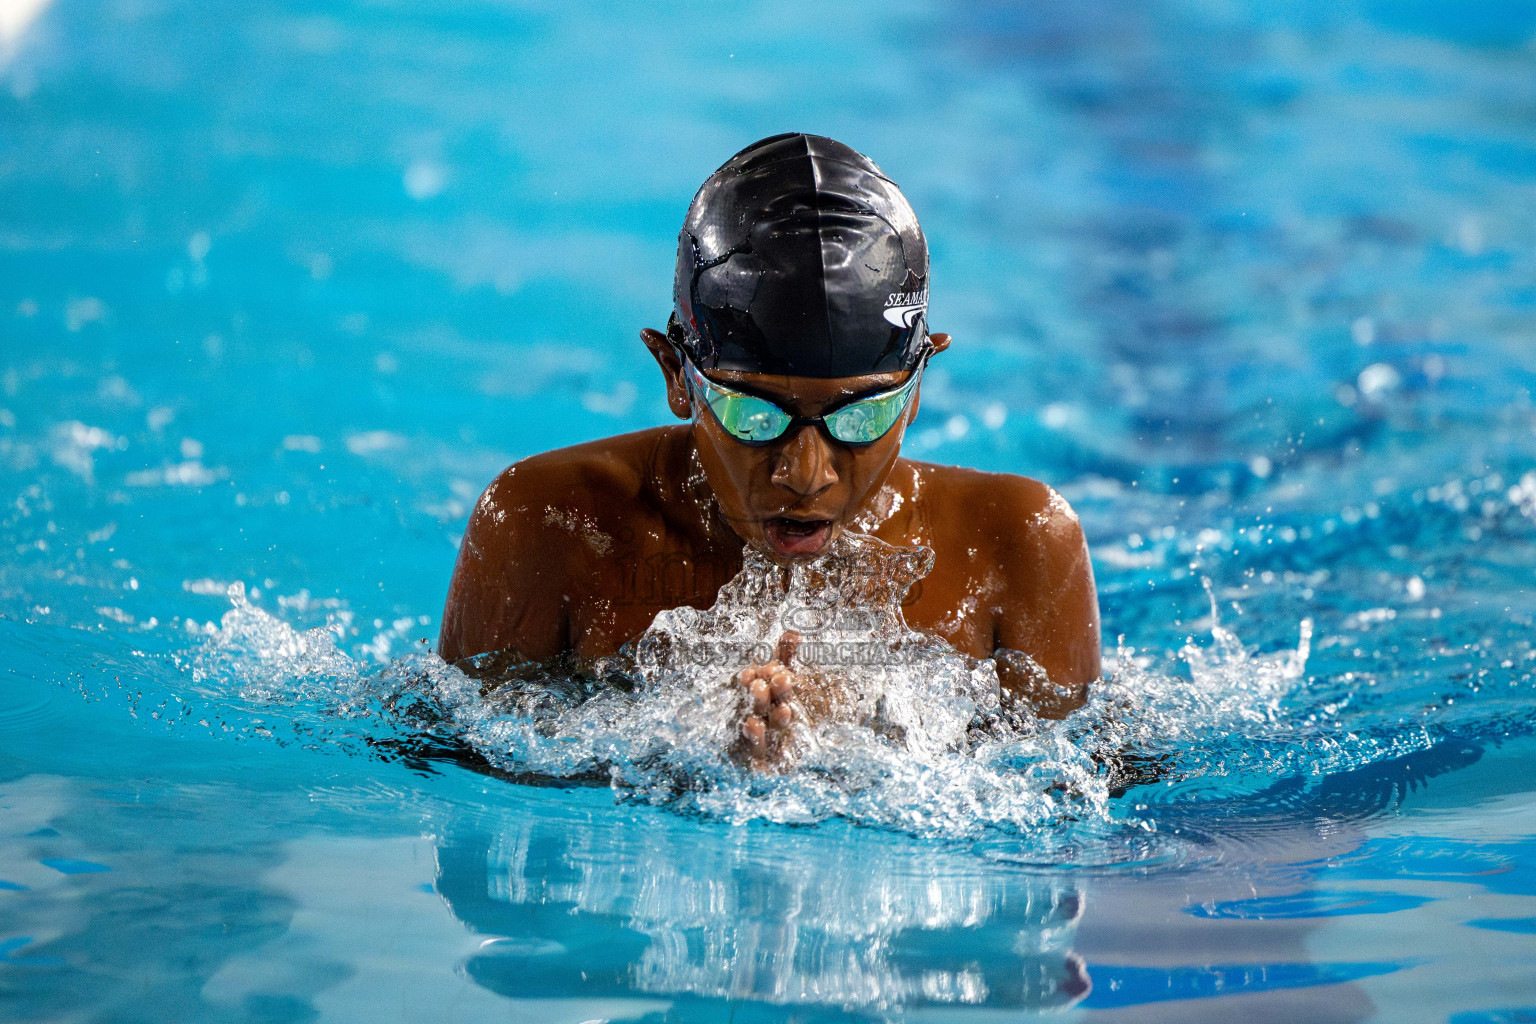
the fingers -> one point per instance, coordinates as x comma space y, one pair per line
789, 643
761, 696
755, 731
769, 689
767, 682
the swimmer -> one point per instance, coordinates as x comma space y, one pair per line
795, 353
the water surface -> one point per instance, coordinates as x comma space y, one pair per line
282, 286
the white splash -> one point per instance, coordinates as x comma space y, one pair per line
915, 736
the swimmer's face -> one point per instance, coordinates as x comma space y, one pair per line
793, 496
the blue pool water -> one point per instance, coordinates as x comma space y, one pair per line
282, 286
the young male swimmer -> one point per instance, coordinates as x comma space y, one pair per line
795, 351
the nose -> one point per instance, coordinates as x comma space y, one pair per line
805, 463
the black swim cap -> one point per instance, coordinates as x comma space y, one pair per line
800, 257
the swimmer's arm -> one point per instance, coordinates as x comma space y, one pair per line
507, 586
1050, 608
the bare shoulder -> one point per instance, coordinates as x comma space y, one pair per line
582, 479
537, 531
1002, 513
570, 501
1025, 536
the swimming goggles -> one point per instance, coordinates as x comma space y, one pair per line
751, 419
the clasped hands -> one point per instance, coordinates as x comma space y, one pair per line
772, 708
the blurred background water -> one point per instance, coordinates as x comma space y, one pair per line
283, 285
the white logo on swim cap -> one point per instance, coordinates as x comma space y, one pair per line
903, 308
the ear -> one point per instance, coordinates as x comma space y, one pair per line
671, 370
940, 342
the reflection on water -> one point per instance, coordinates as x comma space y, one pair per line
757, 916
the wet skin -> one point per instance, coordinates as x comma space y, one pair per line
571, 553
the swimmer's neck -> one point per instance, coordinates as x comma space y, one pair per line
675, 486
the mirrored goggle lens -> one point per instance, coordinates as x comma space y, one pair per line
755, 420
746, 416
868, 420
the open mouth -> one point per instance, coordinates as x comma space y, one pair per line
797, 538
